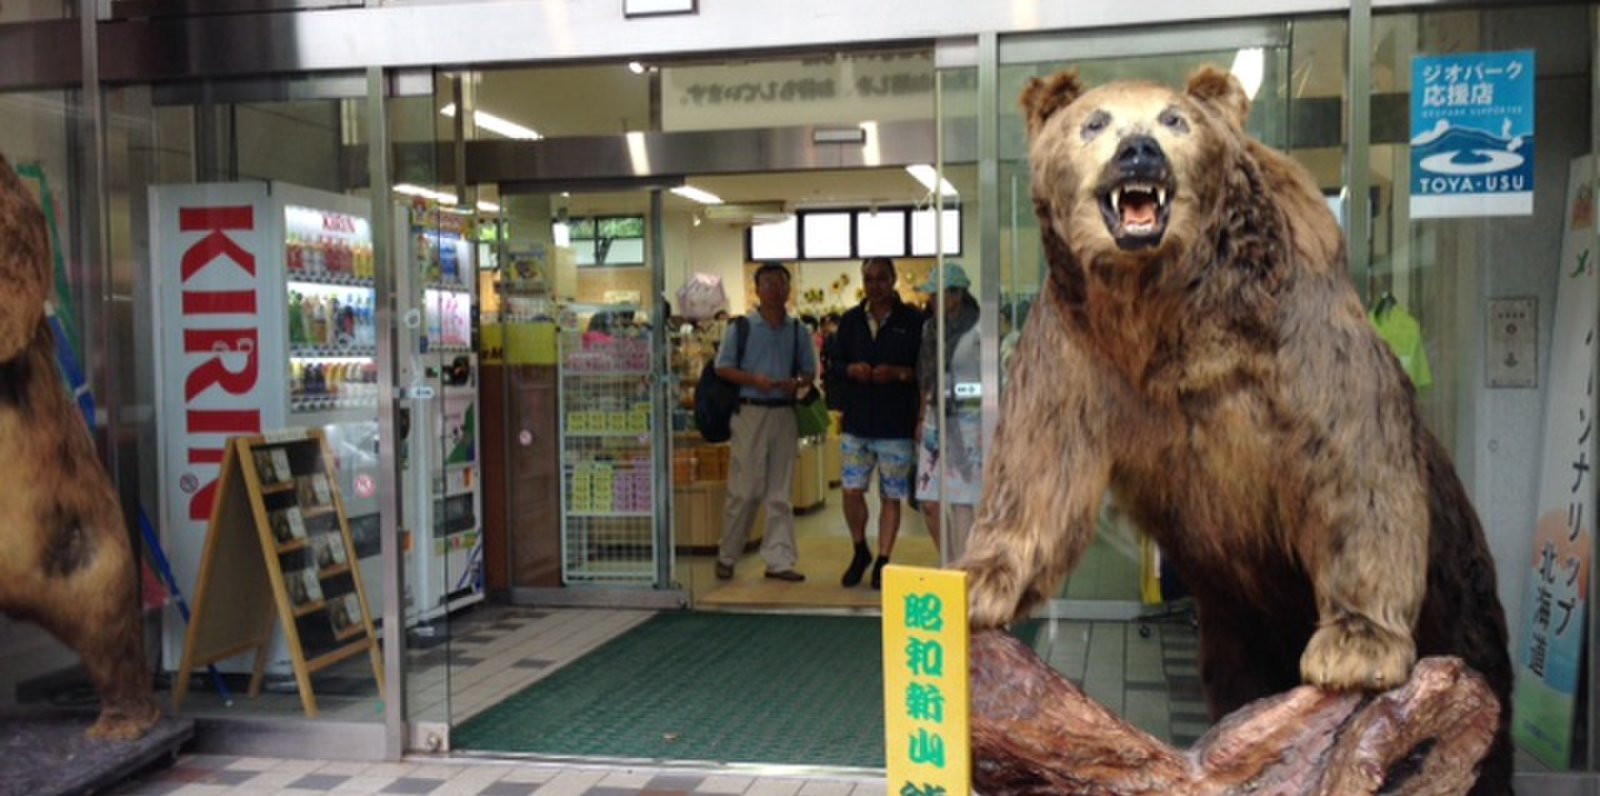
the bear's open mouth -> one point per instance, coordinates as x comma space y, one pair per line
1135, 212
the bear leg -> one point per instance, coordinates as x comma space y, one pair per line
94, 609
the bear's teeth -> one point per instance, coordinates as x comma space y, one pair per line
1161, 197
1116, 198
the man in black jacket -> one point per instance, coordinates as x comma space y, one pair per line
874, 358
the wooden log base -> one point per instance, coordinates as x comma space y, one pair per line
1034, 732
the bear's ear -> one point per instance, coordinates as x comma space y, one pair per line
1221, 90
1042, 98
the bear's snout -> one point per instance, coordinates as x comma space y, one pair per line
1140, 153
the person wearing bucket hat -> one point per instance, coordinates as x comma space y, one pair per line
955, 278
958, 479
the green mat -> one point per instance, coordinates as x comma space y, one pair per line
713, 687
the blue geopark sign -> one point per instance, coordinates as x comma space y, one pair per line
1472, 135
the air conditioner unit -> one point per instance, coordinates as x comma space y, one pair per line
745, 213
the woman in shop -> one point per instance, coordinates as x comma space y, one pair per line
950, 469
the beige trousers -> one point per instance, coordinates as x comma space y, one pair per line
761, 470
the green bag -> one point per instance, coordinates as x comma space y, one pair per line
811, 416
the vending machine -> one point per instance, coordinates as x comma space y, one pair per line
443, 509
265, 321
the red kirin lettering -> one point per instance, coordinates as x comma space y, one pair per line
239, 344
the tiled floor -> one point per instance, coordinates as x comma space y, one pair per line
202, 775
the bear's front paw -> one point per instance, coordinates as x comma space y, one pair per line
1355, 654
993, 590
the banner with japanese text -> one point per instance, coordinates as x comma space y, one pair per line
926, 682
1549, 653
1472, 134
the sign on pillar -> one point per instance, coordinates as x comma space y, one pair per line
927, 687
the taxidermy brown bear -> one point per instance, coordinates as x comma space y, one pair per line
1201, 351
66, 561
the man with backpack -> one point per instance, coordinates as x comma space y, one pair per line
770, 367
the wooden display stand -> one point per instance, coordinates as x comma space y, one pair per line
279, 548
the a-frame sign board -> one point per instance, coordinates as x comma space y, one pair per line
279, 553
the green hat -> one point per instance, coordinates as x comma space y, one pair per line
955, 278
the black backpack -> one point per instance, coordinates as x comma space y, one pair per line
716, 398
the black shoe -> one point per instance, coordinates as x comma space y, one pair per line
788, 575
724, 571
877, 571
858, 565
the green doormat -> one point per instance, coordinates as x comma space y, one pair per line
714, 687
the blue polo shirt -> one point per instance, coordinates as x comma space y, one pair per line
769, 352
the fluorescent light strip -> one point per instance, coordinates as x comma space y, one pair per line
695, 194
496, 124
927, 175
426, 193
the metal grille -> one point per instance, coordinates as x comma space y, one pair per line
607, 487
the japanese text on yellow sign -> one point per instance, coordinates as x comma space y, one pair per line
926, 694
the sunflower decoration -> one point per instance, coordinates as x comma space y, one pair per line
813, 295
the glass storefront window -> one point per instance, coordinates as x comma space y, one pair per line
482, 444
37, 141
1445, 277
240, 225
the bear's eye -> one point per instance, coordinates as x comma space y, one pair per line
1100, 120
1170, 119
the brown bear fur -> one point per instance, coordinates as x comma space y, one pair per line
68, 563
1220, 377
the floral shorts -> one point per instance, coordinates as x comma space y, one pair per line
892, 458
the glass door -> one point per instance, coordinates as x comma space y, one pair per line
433, 232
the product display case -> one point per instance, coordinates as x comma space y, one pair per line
265, 321
607, 448
443, 499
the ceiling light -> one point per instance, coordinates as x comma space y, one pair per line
441, 197
496, 124
929, 177
505, 127
489, 207
636, 67
697, 195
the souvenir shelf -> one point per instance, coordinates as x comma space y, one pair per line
607, 450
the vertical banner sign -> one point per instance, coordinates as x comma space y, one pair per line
1472, 135
214, 262
1549, 653
926, 682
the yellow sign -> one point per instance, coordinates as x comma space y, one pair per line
926, 685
